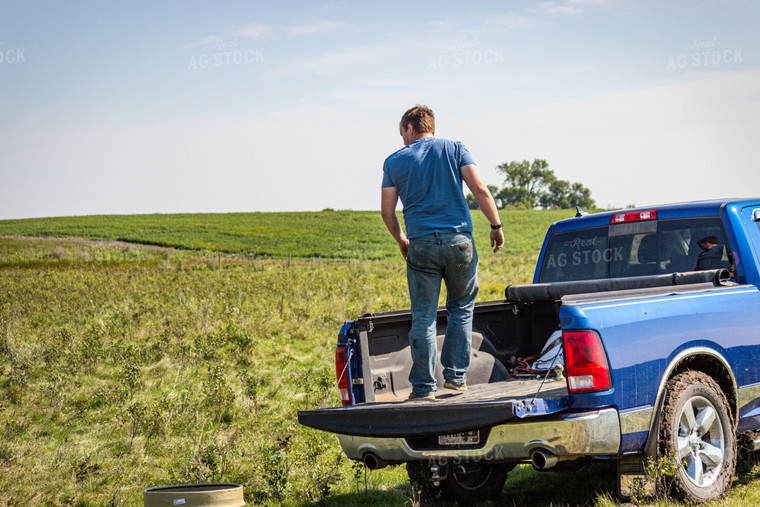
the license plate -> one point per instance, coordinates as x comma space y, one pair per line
465, 438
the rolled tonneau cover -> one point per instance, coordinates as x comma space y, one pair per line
556, 290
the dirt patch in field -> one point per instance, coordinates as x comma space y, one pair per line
124, 245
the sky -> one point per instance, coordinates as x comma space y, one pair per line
208, 106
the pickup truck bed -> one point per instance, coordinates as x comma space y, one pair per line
502, 331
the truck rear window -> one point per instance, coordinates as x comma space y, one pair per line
636, 249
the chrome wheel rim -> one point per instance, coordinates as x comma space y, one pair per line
699, 446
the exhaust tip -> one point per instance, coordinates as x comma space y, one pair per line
543, 460
373, 462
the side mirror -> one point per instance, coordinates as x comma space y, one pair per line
756, 215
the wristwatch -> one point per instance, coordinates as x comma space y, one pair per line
494, 227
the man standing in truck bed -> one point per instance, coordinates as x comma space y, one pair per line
427, 175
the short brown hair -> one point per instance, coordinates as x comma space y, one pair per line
421, 118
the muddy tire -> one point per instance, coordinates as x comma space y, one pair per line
464, 483
697, 425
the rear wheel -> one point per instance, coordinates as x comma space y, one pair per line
697, 427
464, 482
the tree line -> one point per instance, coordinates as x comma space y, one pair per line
533, 185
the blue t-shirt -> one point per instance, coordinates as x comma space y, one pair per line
427, 176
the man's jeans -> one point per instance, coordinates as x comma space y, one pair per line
451, 257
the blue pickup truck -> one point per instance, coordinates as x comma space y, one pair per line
640, 337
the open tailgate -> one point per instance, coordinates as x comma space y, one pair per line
480, 406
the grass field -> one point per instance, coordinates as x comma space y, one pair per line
124, 368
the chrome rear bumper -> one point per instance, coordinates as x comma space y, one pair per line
568, 436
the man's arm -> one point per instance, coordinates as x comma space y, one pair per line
471, 176
389, 199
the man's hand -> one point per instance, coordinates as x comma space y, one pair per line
497, 239
403, 245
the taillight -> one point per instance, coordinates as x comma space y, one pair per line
586, 364
341, 369
634, 216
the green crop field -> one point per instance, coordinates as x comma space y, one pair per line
327, 234
124, 367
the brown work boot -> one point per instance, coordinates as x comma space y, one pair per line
455, 387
